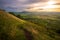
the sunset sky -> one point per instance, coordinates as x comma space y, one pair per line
30, 5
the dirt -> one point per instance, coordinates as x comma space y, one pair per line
28, 35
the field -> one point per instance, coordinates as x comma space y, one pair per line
29, 26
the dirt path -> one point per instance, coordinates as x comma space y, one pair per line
28, 35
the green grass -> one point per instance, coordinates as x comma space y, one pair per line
13, 28
9, 26
49, 24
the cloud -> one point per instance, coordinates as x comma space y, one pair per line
20, 5
57, 4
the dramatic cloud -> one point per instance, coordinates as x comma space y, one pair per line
20, 5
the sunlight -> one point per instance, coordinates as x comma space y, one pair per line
50, 2
49, 6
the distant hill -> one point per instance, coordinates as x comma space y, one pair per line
13, 28
38, 13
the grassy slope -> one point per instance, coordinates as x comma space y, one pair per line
51, 23
13, 28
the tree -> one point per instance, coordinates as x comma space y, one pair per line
19, 16
12, 13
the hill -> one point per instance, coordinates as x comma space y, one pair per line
13, 28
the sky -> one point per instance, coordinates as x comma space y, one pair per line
30, 5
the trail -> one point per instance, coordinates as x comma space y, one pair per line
28, 35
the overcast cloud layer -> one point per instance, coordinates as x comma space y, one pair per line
18, 5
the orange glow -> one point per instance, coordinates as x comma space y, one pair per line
47, 6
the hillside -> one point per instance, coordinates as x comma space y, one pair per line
13, 28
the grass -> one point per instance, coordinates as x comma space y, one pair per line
13, 28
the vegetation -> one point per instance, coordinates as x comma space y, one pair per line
28, 27
51, 23
12, 13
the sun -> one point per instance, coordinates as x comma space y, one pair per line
50, 2
47, 6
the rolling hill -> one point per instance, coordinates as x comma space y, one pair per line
13, 28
